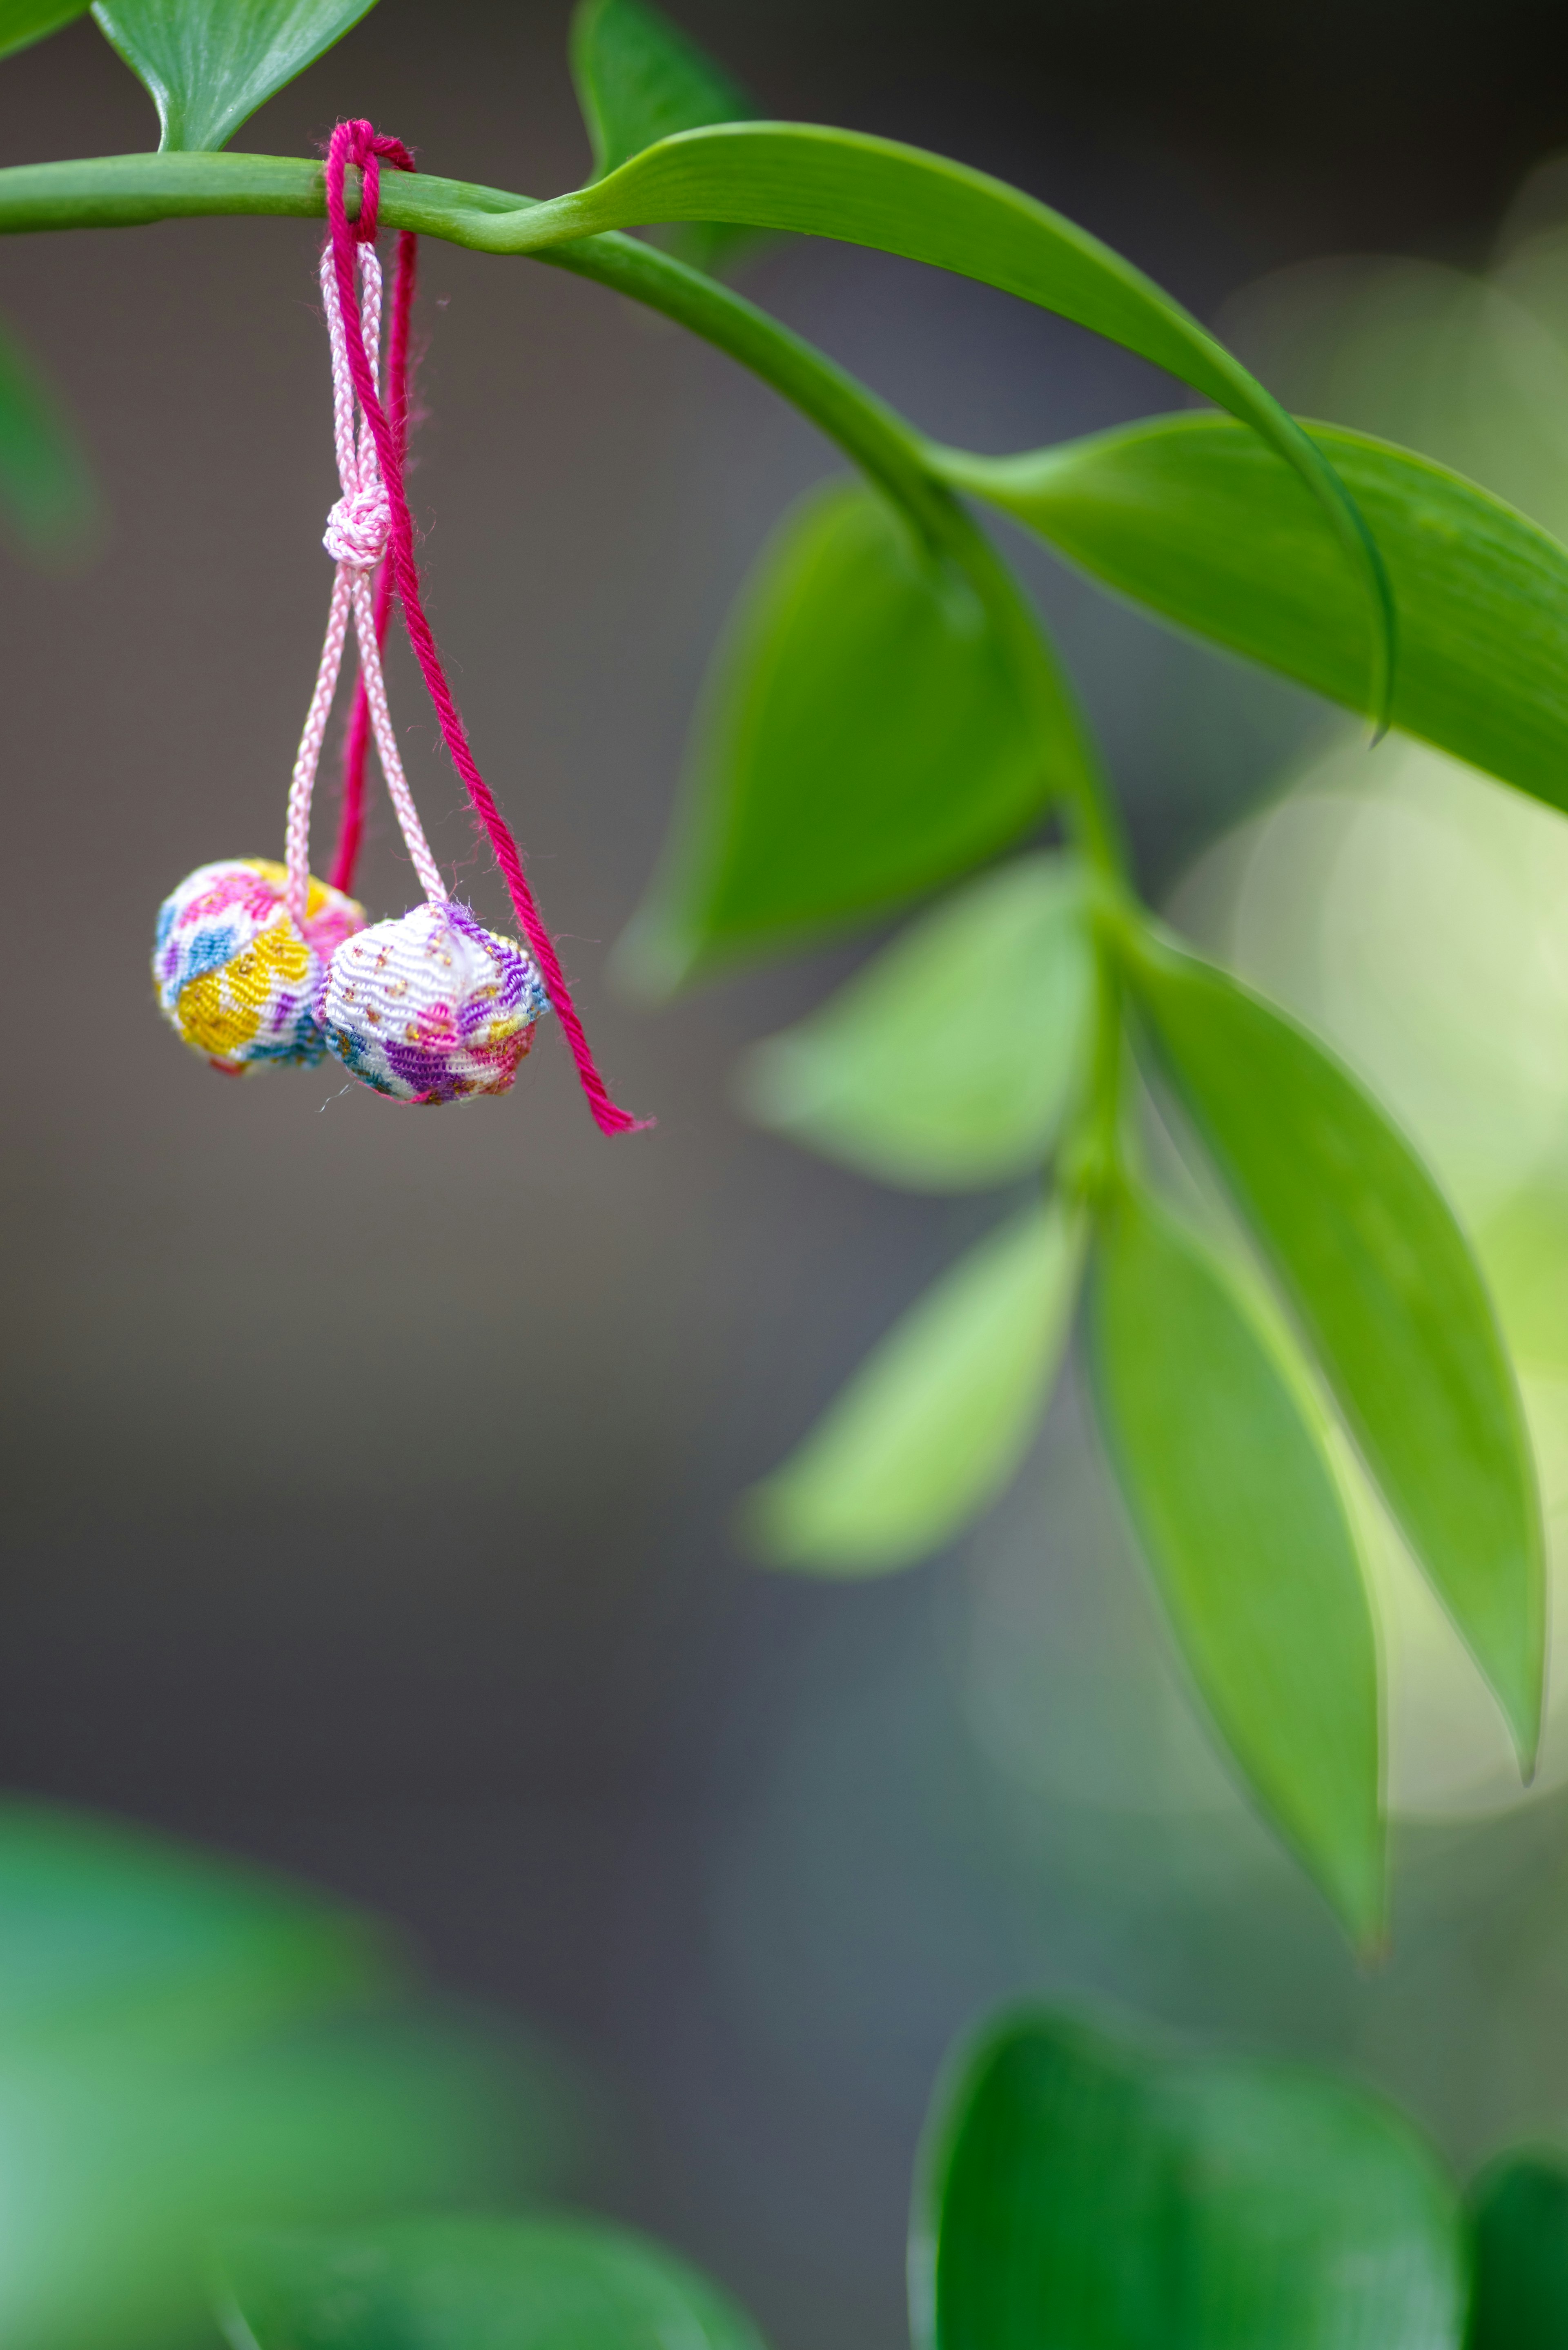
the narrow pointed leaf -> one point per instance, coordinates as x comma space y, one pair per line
48, 497
875, 191
457, 2284
1229, 1485
934, 1424
1195, 518
209, 63
948, 1062
639, 80
1521, 2228
1388, 1295
860, 740
1080, 2192
23, 22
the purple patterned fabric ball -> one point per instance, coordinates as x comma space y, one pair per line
430, 1008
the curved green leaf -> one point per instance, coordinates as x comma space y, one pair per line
875, 191
1229, 1485
23, 22
948, 1062
1520, 2221
460, 2283
935, 1422
1387, 1294
48, 495
1078, 2192
639, 80
1193, 517
209, 63
860, 740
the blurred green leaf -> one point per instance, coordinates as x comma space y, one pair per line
46, 490
875, 191
948, 1062
860, 740
107, 1934
934, 1423
459, 2283
639, 80
1229, 1485
117, 2165
1519, 2207
23, 22
1196, 518
1080, 2193
209, 63
1388, 1295
186, 2045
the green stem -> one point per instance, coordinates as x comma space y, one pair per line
129, 191
1092, 1163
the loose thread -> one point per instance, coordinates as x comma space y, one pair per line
360, 143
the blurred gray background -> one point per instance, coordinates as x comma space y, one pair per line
368, 1474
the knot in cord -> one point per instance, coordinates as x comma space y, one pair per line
359, 527
361, 145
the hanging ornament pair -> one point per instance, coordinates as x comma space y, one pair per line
257, 963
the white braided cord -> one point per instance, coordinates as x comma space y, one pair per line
356, 539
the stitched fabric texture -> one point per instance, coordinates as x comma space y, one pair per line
234, 975
432, 1008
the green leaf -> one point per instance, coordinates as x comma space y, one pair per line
933, 1425
948, 1062
1521, 2226
113, 1933
462, 2284
23, 22
1077, 2192
209, 63
639, 80
1229, 1485
1196, 519
184, 2042
860, 740
47, 495
1387, 1292
875, 191
120, 2164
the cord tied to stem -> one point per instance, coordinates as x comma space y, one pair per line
372, 450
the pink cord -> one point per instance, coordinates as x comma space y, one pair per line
351, 816
360, 144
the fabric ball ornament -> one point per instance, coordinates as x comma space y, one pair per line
234, 975
430, 1008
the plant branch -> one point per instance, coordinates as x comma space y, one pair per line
134, 191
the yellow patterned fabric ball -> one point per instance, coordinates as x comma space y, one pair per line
235, 977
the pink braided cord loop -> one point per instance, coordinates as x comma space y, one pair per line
360, 144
